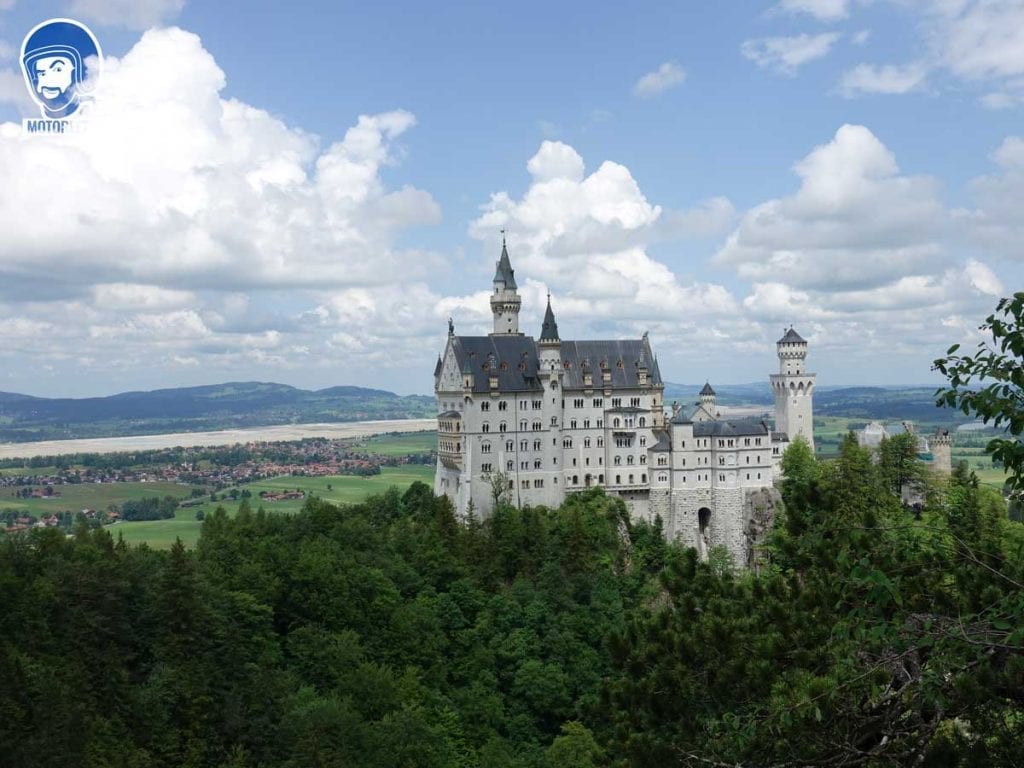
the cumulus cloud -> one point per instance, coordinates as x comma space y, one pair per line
854, 222
787, 54
172, 185
144, 235
668, 75
862, 258
133, 14
586, 237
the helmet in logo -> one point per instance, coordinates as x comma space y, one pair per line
61, 61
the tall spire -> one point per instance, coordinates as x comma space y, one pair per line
549, 331
504, 273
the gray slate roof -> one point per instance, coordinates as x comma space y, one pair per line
520, 359
549, 330
707, 390
723, 428
791, 337
504, 272
664, 442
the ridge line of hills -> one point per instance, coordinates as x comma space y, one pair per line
241, 404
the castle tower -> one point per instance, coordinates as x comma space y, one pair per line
549, 345
505, 301
793, 388
942, 449
707, 397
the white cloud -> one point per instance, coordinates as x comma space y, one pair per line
6, 5
144, 237
854, 223
861, 37
668, 75
586, 237
133, 14
888, 79
787, 54
823, 10
220, 192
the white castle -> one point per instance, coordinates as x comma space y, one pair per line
535, 420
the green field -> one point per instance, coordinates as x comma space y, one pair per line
401, 444
344, 489
99, 496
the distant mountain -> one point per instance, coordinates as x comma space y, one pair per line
191, 409
868, 403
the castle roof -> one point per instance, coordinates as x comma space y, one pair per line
504, 272
514, 359
791, 337
437, 368
549, 330
664, 442
723, 428
707, 390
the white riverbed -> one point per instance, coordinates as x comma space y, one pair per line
219, 437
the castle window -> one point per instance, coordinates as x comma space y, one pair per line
662, 461
682, 443
567, 442
600, 423
586, 423
600, 460
618, 461
746, 441
586, 461
643, 459
538, 483
524, 445
502, 406
575, 479
536, 445
524, 465
643, 421
629, 459
509, 445
618, 479
600, 442
485, 467
509, 465
522, 405
635, 402
502, 427
721, 478
586, 442
616, 402
485, 427
572, 423
522, 425
538, 404
485, 406
537, 426
525, 483
631, 480
600, 478
577, 403
721, 461
485, 448
758, 475
643, 440
757, 441
536, 463
598, 402
574, 461
554, 421
748, 475
643, 478
615, 423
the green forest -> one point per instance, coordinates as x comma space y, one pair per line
391, 634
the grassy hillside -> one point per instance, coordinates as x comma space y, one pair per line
190, 409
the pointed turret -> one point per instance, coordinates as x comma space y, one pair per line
549, 330
504, 273
707, 396
505, 301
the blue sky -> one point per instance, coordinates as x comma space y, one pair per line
314, 188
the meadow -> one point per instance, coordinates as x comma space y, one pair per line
337, 489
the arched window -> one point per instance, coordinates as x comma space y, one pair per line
485, 427
643, 422
615, 422
502, 427
629, 460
